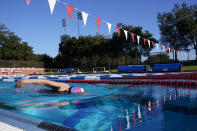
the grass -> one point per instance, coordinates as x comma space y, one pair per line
188, 68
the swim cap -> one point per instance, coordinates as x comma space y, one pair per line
77, 90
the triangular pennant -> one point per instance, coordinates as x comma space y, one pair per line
149, 43
161, 46
85, 17
126, 33
28, 1
98, 22
132, 35
166, 49
138, 39
109, 27
169, 50
144, 41
70, 11
153, 43
118, 30
52, 5
157, 46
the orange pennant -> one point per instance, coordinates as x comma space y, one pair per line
153, 43
144, 41
118, 30
28, 1
161, 47
98, 22
70, 11
132, 35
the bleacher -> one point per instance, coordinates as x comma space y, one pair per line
131, 68
69, 70
166, 67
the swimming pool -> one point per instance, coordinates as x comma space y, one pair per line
106, 107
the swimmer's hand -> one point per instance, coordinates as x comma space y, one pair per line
20, 83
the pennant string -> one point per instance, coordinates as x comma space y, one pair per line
99, 21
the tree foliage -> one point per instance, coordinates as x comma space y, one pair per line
179, 27
12, 48
89, 49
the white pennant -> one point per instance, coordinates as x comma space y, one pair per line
149, 43
164, 48
138, 39
169, 50
109, 27
85, 17
157, 46
52, 5
125, 32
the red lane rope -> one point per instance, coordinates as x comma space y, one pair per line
161, 82
187, 76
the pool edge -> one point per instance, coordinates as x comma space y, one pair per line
29, 124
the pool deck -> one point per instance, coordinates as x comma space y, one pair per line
7, 127
13, 122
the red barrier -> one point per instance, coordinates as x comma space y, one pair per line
161, 82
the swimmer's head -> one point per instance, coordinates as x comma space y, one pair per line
76, 90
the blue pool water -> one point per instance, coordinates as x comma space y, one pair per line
106, 107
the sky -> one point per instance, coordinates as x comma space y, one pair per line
35, 24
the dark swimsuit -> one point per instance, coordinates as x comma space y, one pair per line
69, 89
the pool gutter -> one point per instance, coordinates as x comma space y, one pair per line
12, 121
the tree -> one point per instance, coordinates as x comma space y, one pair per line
48, 61
178, 27
158, 58
127, 47
11, 47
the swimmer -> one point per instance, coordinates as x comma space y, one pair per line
61, 87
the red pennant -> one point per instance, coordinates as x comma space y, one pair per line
28, 1
70, 11
132, 35
153, 43
98, 22
118, 30
144, 41
166, 49
161, 46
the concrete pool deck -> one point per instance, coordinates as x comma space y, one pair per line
13, 122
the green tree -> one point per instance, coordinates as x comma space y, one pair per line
27, 52
127, 47
158, 58
178, 27
48, 61
11, 47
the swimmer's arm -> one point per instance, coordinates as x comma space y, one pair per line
55, 85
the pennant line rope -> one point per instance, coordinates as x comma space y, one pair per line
117, 28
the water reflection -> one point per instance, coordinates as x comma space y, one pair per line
176, 100
116, 111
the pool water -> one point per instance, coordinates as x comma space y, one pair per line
106, 107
